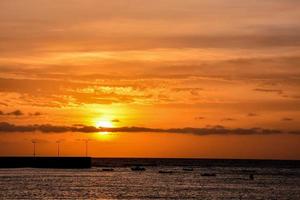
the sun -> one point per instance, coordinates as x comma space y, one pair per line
104, 124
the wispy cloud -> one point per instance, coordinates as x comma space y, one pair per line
228, 119
268, 90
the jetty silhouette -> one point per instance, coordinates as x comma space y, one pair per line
46, 162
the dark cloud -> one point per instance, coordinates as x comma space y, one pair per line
215, 126
268, 90
228, 119
252, 115
35, 114
19, 113
209, 130
13, 113
199, 118
16, 113
295, 132
286, 119
116, 120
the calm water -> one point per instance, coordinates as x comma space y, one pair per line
230, 183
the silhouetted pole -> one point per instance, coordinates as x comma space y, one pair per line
58, 149
86, 147
33, 142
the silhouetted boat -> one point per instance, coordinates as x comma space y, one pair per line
189, 169
165, 172
251, 177
208, 174
137, 168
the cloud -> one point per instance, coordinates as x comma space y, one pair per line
209, 130
116, 120
3, 104
35, 114
295, 132
185, 81
228, 119
14, 113
54, 93
268, 90
252, 115
215, 126
286, 119
19, 113
192, 91
199, 118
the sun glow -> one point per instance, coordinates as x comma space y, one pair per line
104, 124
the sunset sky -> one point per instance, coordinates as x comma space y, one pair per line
132, 75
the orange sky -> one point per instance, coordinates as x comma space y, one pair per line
210, 65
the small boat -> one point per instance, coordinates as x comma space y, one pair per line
251, 177
137, 168
107, 169
208, 174
188, 169
165, 172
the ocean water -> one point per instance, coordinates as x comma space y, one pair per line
122, 183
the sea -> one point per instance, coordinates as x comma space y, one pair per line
113, 178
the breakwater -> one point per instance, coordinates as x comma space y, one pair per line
46, 162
